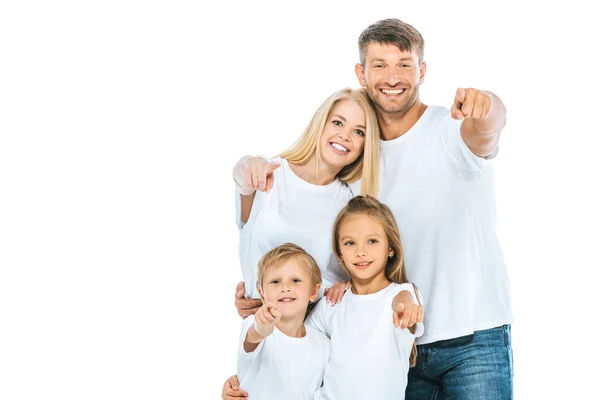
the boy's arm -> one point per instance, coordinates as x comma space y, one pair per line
264, 324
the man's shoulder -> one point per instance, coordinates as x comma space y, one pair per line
437, 113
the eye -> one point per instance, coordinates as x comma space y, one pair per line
275, 281
359, 132
297, 280
372, 241
378, 66
337, 122
348, 243
405, 65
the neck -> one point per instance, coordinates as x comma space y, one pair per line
293, 327
321, 175
394, 125
369, 286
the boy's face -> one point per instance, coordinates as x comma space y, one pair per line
289, 287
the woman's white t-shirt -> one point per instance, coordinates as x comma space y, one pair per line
294, 211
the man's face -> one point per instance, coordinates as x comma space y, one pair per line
392, 77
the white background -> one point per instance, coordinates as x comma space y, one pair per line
120, 122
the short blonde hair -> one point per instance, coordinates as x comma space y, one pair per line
286, 252
366, 165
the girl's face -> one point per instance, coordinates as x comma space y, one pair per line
364, 248
343, 138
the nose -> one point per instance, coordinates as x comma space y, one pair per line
361, 253
344, 134
393, 77
285, 287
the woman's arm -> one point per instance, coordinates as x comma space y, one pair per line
249, 175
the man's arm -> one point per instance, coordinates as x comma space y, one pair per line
245, 307
483, 115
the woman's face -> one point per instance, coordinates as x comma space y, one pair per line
343, 138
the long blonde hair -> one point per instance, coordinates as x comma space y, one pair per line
394, 268
366, 165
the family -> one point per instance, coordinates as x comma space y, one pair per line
384, 210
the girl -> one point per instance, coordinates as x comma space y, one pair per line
370, 351
339, 145
370, 355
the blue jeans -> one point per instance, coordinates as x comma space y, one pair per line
477, 366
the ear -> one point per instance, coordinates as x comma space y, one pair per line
359, 70
260, 293
422, 74
315, 292
391, 252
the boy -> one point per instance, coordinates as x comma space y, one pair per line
279, 357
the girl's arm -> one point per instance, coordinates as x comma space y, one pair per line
408, 311
318, 317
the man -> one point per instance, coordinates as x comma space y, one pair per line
436, 179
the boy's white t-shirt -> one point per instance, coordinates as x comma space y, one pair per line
282, 367
294, 211
442, 196
369, 356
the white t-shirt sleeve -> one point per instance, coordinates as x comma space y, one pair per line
246, 359
456, 147
318, 317
259, 199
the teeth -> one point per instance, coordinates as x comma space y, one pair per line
397, 91
339, 147
362, 264
286, 300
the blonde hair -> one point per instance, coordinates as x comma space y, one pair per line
394, 268
284, 253
366, 165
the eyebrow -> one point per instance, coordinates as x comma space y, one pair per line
350, 237
344, 119
382, 60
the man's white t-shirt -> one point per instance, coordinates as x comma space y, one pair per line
282, 367
442, 196
369, 356
293, 211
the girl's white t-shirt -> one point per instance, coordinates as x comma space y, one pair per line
369, 357
294, 211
